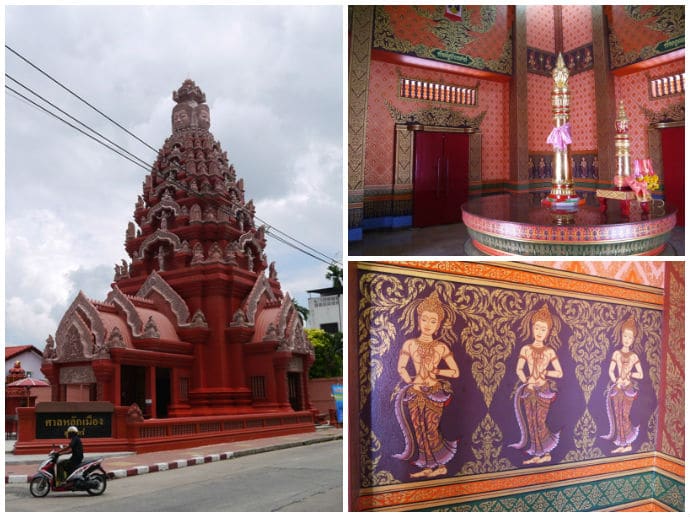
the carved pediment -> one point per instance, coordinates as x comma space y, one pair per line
125, 305
251, 303
175, 302
83, 319
160, 235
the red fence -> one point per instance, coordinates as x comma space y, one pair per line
172, 433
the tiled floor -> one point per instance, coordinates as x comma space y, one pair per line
449, 240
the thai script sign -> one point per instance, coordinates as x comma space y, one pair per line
93, 419
90, 425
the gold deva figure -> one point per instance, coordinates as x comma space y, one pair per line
419, 403
624, 369
535, 395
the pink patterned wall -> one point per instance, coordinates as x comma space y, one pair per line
539, 114
633, 90
540, 27
383, 86
577, 26
649, 273
583, 116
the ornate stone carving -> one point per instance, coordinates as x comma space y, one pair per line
177, 305
125, 305
239, 319
198, 254
261, 287
215, 253
115, 339
81, 315
151, 329
77, 375
199, 320
134, 414
157, 236
49, 350
271, 333
272, 273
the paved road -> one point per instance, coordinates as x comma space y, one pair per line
298, 479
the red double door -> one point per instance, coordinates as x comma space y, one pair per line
441, 177
673, 153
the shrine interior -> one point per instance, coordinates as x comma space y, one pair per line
446, 110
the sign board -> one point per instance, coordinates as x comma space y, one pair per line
93, 419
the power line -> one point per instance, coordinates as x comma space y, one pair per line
271, 230
74, 118
72, 125
78, 96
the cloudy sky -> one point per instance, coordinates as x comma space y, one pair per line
273, 82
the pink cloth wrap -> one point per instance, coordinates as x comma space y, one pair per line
638, 187
560, 137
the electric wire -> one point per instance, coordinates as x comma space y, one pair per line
72, 126
271, 230
77, 96
74, 118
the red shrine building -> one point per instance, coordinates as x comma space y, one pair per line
196, 326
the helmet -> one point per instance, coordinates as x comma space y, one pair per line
72, 430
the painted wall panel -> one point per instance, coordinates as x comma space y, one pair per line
485, 329
480, 40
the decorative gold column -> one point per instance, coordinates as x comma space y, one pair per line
562, 197
622, 141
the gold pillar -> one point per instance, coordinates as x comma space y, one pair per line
622, 141
562, 197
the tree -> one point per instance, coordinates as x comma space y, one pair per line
302, 311
335, 274
328, 349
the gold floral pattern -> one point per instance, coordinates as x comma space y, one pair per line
585, 434
486, 446
370, 455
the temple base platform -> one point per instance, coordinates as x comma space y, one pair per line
518, 224
159, 434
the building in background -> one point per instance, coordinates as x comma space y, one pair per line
29, 356
326, 309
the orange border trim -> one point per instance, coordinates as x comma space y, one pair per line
553, 279
415, 493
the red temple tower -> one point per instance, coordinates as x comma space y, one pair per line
196, 322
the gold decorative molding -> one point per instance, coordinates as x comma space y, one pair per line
518, 275
671, 113
360, 57
437, 116
404, 155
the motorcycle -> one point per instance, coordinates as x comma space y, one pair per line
88, 476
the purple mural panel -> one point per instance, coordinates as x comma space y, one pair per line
459, 379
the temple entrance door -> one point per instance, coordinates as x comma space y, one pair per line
162, 392
295, 390
133, 382
441, 177
673, 155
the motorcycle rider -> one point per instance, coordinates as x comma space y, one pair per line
76, 448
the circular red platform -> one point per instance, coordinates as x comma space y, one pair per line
517, 224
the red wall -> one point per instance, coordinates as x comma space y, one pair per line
383, 86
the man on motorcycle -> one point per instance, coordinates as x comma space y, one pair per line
76, 448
